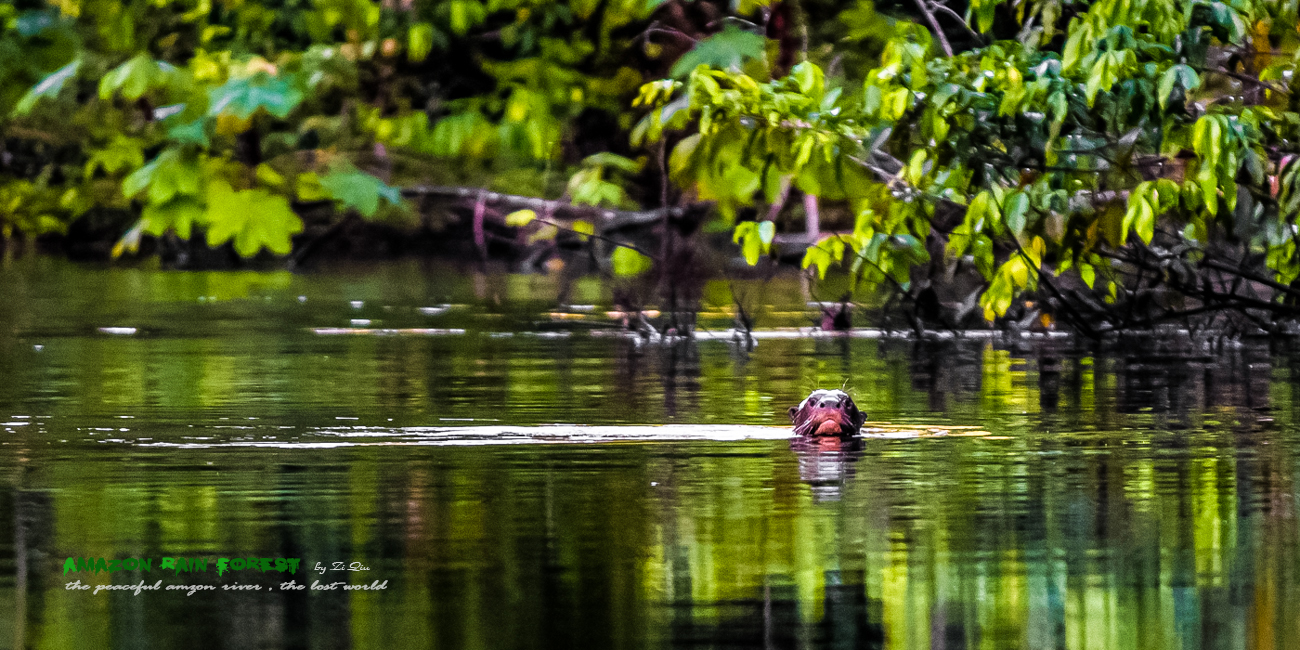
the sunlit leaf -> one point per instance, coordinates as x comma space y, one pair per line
607, 159
252, 219
241, 98
419, 42
520, 218
173, 172
135, 77
267, 175
178, 216
1016, 212
628, 262
584, 229
121, 153
49, 87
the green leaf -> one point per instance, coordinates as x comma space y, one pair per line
825, 253
810, 78
192, 133
726, 50
309, 188
135, 77
819, 257
358, 190
178, 215
983, 11
1099, 78
1073, 47
982, 251
419, 42
1059, 105
683, 154
520, 218
547, 232
915, 169
752, 249
266, 175
465, 14
1145, 220
607, 159
628, 262
958, 241
755, 239
584, 229
173, 172
1017, 211
983, 209
122, 153
49, 87
1088, 273
997, 298
246, 96
588, 187
254, 219
130, 240
1181, 75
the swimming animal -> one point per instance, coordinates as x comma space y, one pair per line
827, 413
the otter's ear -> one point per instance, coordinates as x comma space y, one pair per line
794, 410
858, 416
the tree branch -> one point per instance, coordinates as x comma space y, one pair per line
1245, 78
957, 17
606, 219
1253, 277
934, 24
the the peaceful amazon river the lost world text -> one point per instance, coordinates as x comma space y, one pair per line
503, 474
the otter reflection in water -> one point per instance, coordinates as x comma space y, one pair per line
826, 463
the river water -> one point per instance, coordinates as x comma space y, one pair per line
505, 471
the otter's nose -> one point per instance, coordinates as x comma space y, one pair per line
829, 402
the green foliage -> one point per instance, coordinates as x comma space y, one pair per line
1101, 129
1035, 142
137, 76
243, 98
628, 262
122, 153
755, 239
358, 190
590, 185
253, 219
295, 101
48, 87
728, 49
520, 218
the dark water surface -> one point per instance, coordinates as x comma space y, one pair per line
496, 463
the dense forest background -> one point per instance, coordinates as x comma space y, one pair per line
1103, 166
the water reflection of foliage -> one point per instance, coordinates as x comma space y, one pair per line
1142, 504
1145, 543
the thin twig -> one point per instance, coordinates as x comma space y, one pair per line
608, 219
934, 24
956, 16
1252, 277
603, 238
1245, 78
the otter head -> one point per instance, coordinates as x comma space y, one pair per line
827, 413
